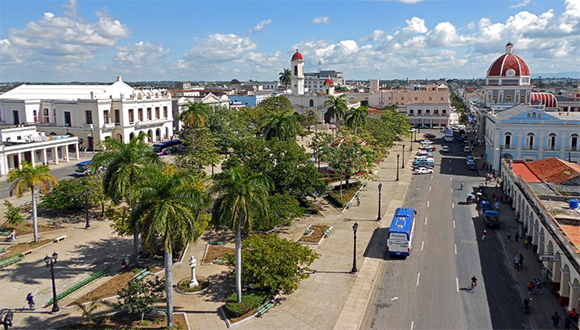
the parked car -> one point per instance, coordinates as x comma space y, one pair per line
427, 147
424, 153
423, 170
467, 149
445, 149
426, 142
429, 135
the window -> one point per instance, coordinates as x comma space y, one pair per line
45, 115
140, 114
436, 112
508, 98
67, 120
164, 112
419, 111
430, 98
88, 116
507, 140
35, 115
533, 115
149, 114
530, 141
415, 98
442, 98
157, 113
131, 116
552, 141
427, 111
574, 142
106, 116
522, 99
444, 111
117, 117
311, 103
296, 70
411, 111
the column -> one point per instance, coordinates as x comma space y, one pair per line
3, 165
65, 153
77, 151
564, 293
574, 295
20, 160
33, 158
55, 155
556, 275
44, 160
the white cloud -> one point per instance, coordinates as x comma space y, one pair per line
320, 20
221, 47
375, 36
521, 4
260, 27
140, 55
415, 25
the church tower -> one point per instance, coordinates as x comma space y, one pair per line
297, 79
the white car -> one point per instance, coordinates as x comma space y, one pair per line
427, 142
467, 149
445, 149
423, 170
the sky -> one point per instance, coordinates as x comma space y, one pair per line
94, 40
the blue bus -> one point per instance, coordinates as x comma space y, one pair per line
400, 241
82, 168
167, 147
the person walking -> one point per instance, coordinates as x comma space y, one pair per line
555, 319
13, 235
484, 234
509, 236
517, 237
517, 262
357, 200
530, 287
526, 242
521, 261
30, 300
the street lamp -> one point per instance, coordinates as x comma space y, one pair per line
380, 187
397, 167
354, 228
499, 159
86, 196
403, 162
50, 261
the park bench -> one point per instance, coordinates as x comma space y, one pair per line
327, 232
11, 260
54, 223
266, 307
141, 274
78, 285
308, 231
348, 205
220, 241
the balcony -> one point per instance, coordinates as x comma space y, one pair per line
108, 126
151, 123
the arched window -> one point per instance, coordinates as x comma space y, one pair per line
296, 70
530, 141
552, 141
529, 115
507, 140
311, 103
574, 142
533, 115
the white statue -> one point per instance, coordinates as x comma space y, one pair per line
192, 265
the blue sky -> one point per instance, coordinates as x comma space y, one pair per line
93, 40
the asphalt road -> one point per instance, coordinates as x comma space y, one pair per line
424, 291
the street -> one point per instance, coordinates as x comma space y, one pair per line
424, 291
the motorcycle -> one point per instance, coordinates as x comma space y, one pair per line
526, 306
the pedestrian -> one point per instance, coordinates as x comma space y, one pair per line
30, 300
521, 261
530, 287
509, 236
517, 237
517, 262
357, 200
526, 242
568, 321
497, 206
555, 319
13, 235
517, 216
538, 286
484, 234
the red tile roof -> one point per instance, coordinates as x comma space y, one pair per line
553, 170
522, 171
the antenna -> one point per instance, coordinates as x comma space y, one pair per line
319, 66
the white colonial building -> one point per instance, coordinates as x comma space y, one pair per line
90, 112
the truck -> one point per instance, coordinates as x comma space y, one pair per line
491, 218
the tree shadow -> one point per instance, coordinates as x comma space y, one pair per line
222, 285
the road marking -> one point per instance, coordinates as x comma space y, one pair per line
431, 177
430, 188
425, 221
412, 325
418, 277
427, 203
452, 205
455, 249
451, 178
453, 224
457, 284
422, 245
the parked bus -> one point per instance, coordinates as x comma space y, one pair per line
448, 135
400, 241
166, 147
82, 168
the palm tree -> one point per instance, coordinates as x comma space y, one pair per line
286, 78
126, 166
357, 117
195, 114
28, 178
243, 200
337, 108
170, 205
282, 124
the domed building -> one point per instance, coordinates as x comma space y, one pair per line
508, 80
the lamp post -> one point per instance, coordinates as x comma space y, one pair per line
415, 135
67, 125
50, 261
397, 167
499, 159
86, 196
354, 228
411, 141
403, 162
380, 188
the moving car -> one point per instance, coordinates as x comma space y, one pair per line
491, 218
445, 149
426, 142
429, 135
467, 149
424, 153
427, 147
423, 170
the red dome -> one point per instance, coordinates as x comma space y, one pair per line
507, 62
329, 82
547, 99
297, 56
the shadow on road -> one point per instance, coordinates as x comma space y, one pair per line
377, 244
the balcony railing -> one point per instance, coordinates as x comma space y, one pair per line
108, 126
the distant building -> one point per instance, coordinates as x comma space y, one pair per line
543, 193
314, 81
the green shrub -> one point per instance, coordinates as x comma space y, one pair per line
347, 194
12, 214
250, 301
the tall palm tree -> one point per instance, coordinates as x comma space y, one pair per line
28, 178
195, 114
126, 166
281, 124
170, 205
285, 78
357, 117
243, 200
338, 108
